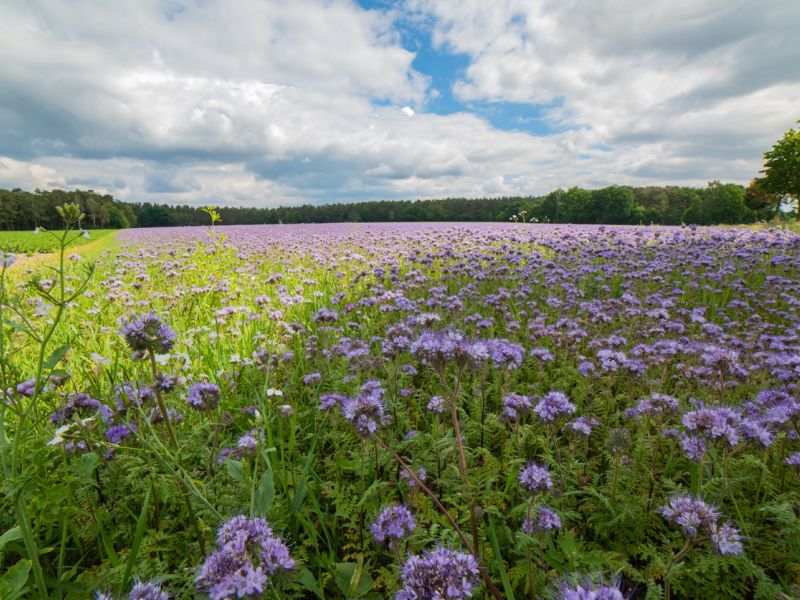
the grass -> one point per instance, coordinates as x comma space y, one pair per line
28, 242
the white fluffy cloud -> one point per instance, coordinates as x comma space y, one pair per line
268, 102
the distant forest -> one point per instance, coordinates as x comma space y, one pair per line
715, 204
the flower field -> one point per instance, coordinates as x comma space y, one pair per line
406, 411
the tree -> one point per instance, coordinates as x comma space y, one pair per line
759, 200
613, 204
782, 167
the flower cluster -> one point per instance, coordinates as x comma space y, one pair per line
366, 410
248, 555
147, 333
535, 478
203, 396
392, 525
140, 591
553, 406
694, 516
515, 406
438, 574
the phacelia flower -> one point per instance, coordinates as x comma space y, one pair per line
392, 525
691, 514
148, 333
515, 406
248, 554
535, 478
203, 396
553, 406
366, 410
439, 574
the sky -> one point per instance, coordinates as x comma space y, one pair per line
282, 102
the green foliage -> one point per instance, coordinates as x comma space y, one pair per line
782, 167
28, 242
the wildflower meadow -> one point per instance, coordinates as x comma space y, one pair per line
405, 411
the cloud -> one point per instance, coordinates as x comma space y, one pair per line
267, 102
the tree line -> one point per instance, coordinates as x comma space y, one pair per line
672, 205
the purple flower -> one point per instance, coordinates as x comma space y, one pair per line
148, 333
439, 574
535, 478
438, 349
718, 423
27, 387
116, 434
582, 425
422, 475
393, 524
505, 354
325, 315
328, 401
248, 555
587, 589
553, 406
793, 460
694, 447
203, 396
515, 406
312, 379
437, 405
546, 520
657, 405
691, 514
726, 539
366, 411
147, 591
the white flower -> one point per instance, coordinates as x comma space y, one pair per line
273, 392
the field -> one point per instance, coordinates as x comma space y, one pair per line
416, 410
29, 242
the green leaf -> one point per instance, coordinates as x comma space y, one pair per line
236, 470
352, 580
13, 582
265, 494
137, 541
12, 535
499, 561
56, 356
307, 579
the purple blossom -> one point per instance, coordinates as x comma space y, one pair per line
515, 406
147, 332
553, 406
366, 411
422, 475
439, 574
582, 425
392, 525
116, 434
437, 405
328, 401
657, 405
203, 396
694, 447
691, 514
248, 554
546, 520
535, 478
726, 539
587, 589
438, 349
312, 379
793, 460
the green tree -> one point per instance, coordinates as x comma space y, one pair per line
782, 167
613, 204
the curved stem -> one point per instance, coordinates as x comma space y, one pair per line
495, 591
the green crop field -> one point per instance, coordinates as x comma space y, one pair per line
29, 242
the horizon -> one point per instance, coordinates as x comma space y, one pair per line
265, 104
